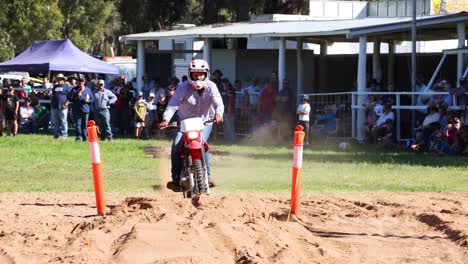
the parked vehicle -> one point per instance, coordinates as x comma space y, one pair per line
126, 64
14, 76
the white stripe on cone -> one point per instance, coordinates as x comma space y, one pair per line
297, 159
95, 154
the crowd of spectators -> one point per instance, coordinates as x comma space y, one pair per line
257, 105
70, 101
441, 123
120, 109
443, 131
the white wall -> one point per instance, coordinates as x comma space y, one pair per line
269, 43
337, 9
403, 47
392, 8
224, 60
181, 64
165, 44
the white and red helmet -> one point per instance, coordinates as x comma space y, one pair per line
198, 65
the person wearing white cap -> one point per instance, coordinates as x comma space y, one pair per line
303, 112
103, 98
59, 107
197, 97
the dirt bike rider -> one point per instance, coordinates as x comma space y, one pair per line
196, 97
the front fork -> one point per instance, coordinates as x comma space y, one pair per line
191, 154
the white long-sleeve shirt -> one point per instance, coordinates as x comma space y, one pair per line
191, 103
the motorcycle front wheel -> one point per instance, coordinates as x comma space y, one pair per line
199, 175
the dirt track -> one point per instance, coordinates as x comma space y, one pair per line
161, 227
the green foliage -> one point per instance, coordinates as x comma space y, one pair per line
38, 163
25, 21
6, 51
88, 23
225, 15
251, 169
145, 15
192, 13
95, 25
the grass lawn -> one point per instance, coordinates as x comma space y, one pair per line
269, 169
38, 163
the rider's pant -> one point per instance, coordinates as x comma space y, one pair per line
176, 160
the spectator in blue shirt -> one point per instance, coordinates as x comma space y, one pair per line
59, 107
103, 98
328, 119
82, 98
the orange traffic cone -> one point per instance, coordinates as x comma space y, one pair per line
297, 169
96, 165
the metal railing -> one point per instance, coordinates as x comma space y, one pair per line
398, 106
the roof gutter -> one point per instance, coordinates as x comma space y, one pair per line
406, 25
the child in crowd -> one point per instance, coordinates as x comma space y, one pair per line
303, 111
2, 110
150, 119
41, 115
387, 137
328, 121
140, 114
439, 146
11, 111
27, 118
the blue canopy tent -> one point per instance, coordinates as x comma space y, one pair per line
57, 55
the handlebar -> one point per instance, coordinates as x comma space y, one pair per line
212, 120
170, 125
175, 125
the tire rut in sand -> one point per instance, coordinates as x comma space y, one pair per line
438, 224
117, 227
119, 244
5, 258
238, 228
258, 234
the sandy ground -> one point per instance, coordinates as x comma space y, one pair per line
162, 227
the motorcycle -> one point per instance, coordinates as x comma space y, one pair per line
192, 148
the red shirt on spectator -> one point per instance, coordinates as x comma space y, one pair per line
267, 99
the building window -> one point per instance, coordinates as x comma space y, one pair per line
179, 46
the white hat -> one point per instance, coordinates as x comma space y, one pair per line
152, 95
60, 76
101, 81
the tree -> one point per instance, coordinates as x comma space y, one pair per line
95, 25
243, 8
25, 21
89, 23
193, 13
145, 15
210, 12
285, 6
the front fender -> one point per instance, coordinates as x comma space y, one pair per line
194, 145
194, 148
